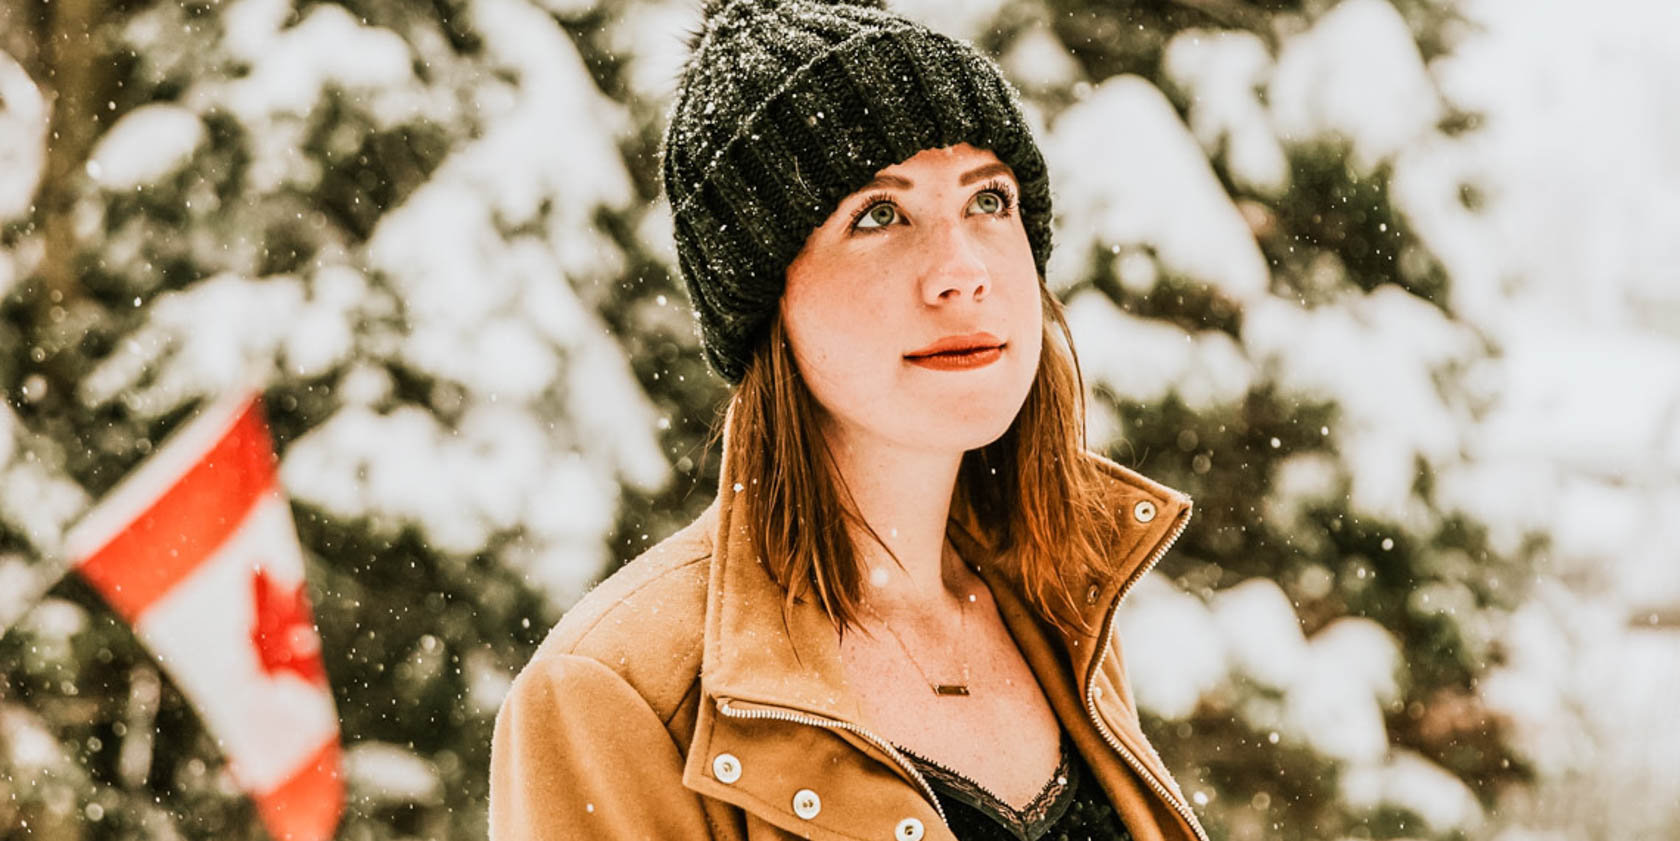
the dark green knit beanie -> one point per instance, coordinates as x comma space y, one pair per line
784, 108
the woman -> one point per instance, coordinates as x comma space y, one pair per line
895, 619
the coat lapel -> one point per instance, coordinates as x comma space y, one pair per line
755, 662
765, 671
750, 654
1070, 661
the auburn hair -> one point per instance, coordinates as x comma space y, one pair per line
1032, 490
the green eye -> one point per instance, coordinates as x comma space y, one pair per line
882, 214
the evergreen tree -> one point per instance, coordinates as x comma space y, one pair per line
404, 220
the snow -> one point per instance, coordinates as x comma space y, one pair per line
500, 318
1301, 481
966, 19
487, 683
1592, 701
1036, 60
1524, 834
1258, 624
1568, 268
364, 384
38, 502
17, 589
1220, 73
1147, 359
290, 70
1512, 498
55, 621
1334, 686
30, 745
532, 149
374, 452
1478, 628
608, 405
1337, 716
1356, 74
651, 37
1587, 399
23, 143
23, 156
202, 341
478, 307
495, 472
1377, 356
291, 67
383, 774
144, 146
1154, 188
10, 429
322, 334
1558, 216
568, 8
571, 501
1568, 656
1406, 780
1172, 653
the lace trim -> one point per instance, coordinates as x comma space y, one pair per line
1027, 823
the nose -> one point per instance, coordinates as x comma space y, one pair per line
955, 269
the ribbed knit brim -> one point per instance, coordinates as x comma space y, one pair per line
786, 107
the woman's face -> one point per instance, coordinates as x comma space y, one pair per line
933, 249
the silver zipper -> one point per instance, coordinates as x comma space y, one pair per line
1179, 806
833, 724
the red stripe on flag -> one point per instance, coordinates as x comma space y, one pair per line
188, 522
306, 806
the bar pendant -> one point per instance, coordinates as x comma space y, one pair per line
950, 689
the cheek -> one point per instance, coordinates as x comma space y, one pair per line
1027, 323
837, 312
832, 338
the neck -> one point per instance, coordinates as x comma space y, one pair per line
905, 496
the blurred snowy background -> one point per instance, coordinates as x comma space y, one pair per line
1391, 287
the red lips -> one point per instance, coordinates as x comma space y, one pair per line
958, 344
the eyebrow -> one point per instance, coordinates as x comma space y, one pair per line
973, 175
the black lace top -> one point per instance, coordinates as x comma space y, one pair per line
1070, 807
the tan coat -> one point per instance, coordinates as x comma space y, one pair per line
669, 703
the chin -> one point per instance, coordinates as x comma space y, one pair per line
950, 413
961, 425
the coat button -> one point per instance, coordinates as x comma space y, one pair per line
908, 829
726, 768
1091, 594
1144, 511
806, 803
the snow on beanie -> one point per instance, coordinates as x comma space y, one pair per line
785, 107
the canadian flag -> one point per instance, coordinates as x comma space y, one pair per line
197, 551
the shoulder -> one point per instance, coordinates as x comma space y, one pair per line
645, 622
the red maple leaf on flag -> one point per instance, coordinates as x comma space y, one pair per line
284, 633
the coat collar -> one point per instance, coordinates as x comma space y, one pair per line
751, 655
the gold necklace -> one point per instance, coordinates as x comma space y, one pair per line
938, 688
